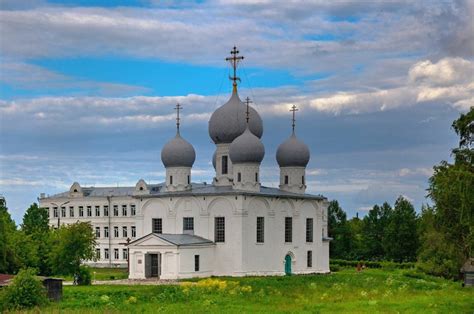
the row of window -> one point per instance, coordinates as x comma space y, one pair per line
239, 177
97, 211
219, 228
106, 255
133, 232
287, 180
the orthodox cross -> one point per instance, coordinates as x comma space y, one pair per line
234, 61
178, 108
293, 109
247, 111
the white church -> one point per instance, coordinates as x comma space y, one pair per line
233, 227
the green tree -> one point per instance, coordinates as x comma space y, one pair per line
26, 291
400, 241
70, 245
374, 224
9, 261
339, 230
35, 220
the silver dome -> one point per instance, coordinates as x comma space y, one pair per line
178, 153
228, 121
247, 148
292, 153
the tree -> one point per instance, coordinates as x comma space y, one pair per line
339, 230
374, 225
400, 241
71, 245
35, 220
26, 291
9, 261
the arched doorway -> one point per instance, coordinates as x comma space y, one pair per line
288, 264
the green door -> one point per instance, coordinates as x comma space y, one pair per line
288, 265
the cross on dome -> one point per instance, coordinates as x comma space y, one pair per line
234, 60
247, 111
178, 108
293, 120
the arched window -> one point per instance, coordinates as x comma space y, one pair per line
256, 176
171, 179
239, 177
141, 188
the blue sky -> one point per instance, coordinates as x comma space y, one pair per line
87, 90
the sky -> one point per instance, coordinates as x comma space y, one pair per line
87, 90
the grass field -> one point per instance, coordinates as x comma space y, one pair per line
344, 291
105, 274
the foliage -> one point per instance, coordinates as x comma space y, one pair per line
372, 264
35, 220
84, 277
373, 231
370, 291
71, 245
400, 241
26, 291
339, 230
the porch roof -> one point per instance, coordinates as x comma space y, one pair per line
177, 239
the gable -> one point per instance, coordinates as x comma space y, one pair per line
151, 240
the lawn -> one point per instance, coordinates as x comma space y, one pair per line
104, 274
372, 291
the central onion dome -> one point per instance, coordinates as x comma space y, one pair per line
247, 148
292, 153
178, 153
228, 121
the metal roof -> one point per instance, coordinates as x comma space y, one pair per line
197, 189
178, 239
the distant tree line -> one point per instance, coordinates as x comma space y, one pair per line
439, 239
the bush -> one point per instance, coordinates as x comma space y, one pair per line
84, 276
370, 264
26, 291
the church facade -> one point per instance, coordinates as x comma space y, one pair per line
233, 226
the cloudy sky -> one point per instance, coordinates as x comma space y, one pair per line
87, 89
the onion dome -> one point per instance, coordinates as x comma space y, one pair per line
178, 153
292, 153
247, 148
228, 121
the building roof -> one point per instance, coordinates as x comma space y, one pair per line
197, 189
178, 153
246, 148
178, 239
292, 153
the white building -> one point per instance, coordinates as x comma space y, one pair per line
234, 226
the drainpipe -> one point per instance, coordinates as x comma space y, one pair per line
109, 201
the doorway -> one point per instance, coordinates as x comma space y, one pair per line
153, 265
288, 264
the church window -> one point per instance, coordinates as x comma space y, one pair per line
75, 190
256, 176
309, 259
106, 210
97, 232
309, 229
171, 179
133, 210
225, 162
141, 188
239, 177
134, 231
260, 229
81, 211
124, 210
97, 253
97, 211
286, 179
188, 225
125, 254
106, 232
189, 179
302, 180
116, 210
116, 232
196, 262
89, 211
124, 231
157, 225
63, 211
116, 253
106, 253
55, 212
71, 211
219, 229
288, 229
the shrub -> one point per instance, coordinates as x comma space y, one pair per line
371, 264
84, 276
26, 291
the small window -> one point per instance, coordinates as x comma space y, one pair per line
188, 225
133, 210
55, 212
49, 214
125, 254
196, 262
116, 254
302, 180
106, 210
256, 176
309, 229
219, 229
89, 211
124, 210
97, 253
171, 179
239, 177
106, 253
189, 179
260, 229
97, 211
141, 188
115, 210
286, 179
106, 232
134, 231
124, 232
81, 211
288, 229
75, 190
309, 259
157, 225
71, 211
97, 232
116, 232
224, 164
63, 211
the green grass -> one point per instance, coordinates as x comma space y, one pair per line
104, 274
374, 291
